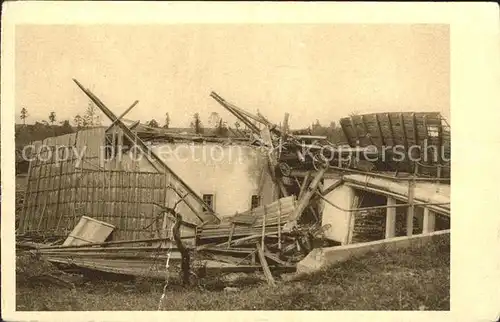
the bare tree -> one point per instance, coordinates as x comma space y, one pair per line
24, 115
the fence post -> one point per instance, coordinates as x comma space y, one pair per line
390, 218
429, 223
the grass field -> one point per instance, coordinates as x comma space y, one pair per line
413, 279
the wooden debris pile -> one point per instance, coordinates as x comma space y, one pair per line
251, 241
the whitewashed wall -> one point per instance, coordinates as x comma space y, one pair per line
338, 219
233, 173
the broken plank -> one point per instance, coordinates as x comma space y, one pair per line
265, 267
304, 201
264, 226
305, 182
275, 258
332, 187
243, 240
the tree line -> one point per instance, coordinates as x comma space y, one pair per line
91, 118
43, 129
215, 122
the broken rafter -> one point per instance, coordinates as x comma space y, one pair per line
426, 129
440, 139
304, 184
304, 201
405, 138
257, 118
380, 130
391, 128
134, 125
332, 187
150, 155
239, 241
235, 112
415, 129
122, 115
263, 118
403, 129
242, 115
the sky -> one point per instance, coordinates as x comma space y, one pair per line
312, 71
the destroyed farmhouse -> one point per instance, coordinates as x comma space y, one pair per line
272, 201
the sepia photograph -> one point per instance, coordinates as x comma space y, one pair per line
232, 166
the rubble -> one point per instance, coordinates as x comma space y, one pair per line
271, 238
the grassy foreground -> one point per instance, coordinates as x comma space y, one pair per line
413, 279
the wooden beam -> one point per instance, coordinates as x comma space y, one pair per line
415, 129
380, 130
411, 209
251, 116
313, 211
332, 187
391, 128
390, 218
190, 206
340, 171
265, 267
429, 222
134, 125
304, 201
403, 129
263, 118
279, 224
275, 258
304, 184
355, 203
264, 215
236, 112
239, 241
440, 140
122, 115
231, 235
426, 129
